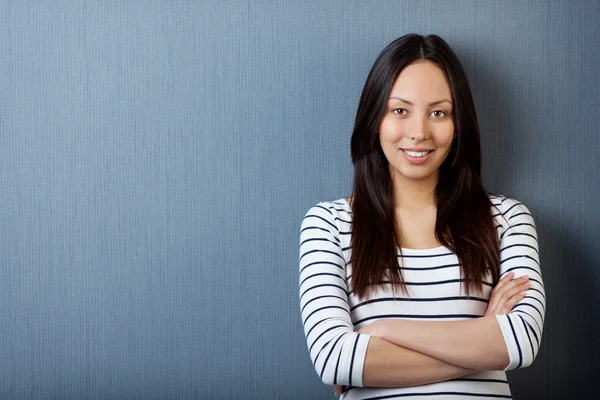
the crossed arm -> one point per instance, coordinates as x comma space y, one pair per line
408, 353
396, 353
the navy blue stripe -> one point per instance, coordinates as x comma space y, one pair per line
514, 226
352, 359
511, 207
324, 208
425, 256
329, 355
323, 285
321, 262
321, 335
536, 281
394, 396
321, 251
423, 299
321, 274
320, 351
536, 299
321, 309
342, 220
530, 316
529, 305
322, 219
441, 282
519, 256
421, 268
520, 245
321, 240
433, 283
480, 380
337, 364
539, 291
522, 267
522, 234
321, 229
517, 342
429, 268
532, 331
320, 297
315, 325
417, 316
522, 213
528, 336
342, 210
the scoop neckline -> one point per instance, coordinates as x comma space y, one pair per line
406, 250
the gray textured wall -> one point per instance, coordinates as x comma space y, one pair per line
157, 157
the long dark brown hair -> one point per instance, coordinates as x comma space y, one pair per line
464, 222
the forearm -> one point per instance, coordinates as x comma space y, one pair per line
475, 344
389, 365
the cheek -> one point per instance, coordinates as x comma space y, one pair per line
445, 136
389, 131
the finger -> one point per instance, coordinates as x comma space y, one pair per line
508, 296
513, 289
508, 307
497, 290
337, 390
509, 286
509, 293
518, 281
500, 297
515, 295
502, 287
505, 279
504, 291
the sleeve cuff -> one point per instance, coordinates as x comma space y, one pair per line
510, 340
357, 357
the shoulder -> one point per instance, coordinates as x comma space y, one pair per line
331, 210
329, 214
507, 206
509, 212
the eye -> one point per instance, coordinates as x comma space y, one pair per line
438, 114
399, 111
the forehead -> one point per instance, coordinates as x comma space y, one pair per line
422, 81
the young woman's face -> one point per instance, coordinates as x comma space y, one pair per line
417, 129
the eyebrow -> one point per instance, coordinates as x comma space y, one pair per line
435, 103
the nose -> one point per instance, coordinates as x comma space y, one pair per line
417, 128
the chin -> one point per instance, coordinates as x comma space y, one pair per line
414, 175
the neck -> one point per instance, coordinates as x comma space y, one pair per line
411, 193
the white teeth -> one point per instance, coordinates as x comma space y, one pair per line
416, 153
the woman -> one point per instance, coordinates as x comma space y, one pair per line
421, 283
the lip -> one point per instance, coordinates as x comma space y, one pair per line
416, 149
416, 160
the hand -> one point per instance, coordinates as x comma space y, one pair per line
338, 390
507, 293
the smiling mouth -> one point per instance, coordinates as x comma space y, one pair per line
412, 153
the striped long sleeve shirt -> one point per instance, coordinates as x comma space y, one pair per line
332, 314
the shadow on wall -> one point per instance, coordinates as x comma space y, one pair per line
568, 364
569, 356
496, 104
